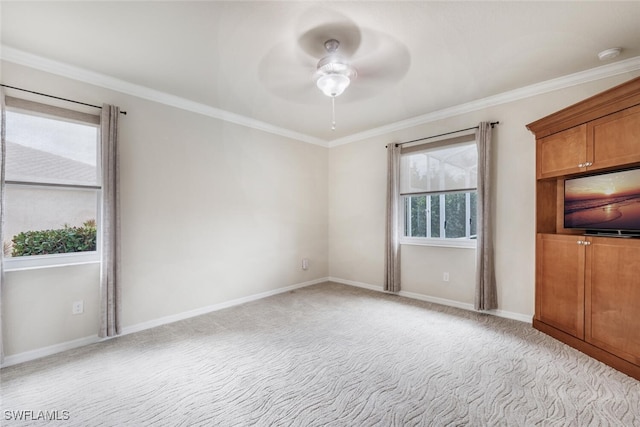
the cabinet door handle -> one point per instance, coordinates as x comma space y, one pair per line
581, 165
588, 164
580, 242
586, 243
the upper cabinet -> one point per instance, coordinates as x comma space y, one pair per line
614, 140
562, 153
598, 133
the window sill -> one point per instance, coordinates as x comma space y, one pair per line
50, 261
444, 243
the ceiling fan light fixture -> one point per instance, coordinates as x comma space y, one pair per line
333, 73
333, 84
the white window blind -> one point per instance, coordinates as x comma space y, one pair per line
439, 167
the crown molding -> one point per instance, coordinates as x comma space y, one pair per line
609, 70
20, 57
65, 70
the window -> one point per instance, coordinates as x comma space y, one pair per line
52, 190
438, 192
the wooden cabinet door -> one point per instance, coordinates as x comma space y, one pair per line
560, 282
562, 153
612, 296
614, 140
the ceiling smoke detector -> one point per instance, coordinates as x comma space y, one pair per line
605, 55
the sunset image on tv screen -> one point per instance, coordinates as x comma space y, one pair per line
610, 201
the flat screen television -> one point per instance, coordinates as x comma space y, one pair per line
607, 203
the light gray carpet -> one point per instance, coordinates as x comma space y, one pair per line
327, 355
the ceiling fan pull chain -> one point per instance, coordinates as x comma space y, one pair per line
333, 113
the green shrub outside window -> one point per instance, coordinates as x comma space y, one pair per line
59, 241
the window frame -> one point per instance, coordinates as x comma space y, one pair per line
449, 242
29, 262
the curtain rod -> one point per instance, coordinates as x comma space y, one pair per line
57, 97
442, 134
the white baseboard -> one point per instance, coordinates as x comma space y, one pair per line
356, 284
48, 351
436, 300
81, 342
526, 318
442, 301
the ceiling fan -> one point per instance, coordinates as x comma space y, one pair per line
333, 55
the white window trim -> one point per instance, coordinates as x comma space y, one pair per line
54, 260
445, 242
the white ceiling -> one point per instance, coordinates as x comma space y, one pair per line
253, 59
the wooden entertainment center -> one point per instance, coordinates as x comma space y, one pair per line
588, 287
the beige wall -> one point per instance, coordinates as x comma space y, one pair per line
211, 212
357, 174
36, 306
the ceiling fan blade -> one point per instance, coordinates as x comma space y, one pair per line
382, 54
313, 40
318, 25
381, 62
288, 73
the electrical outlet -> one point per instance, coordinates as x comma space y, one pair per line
445, 276
77, 307
305, 263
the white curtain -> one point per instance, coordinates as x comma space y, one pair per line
486, 296
110, 293
392, 243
